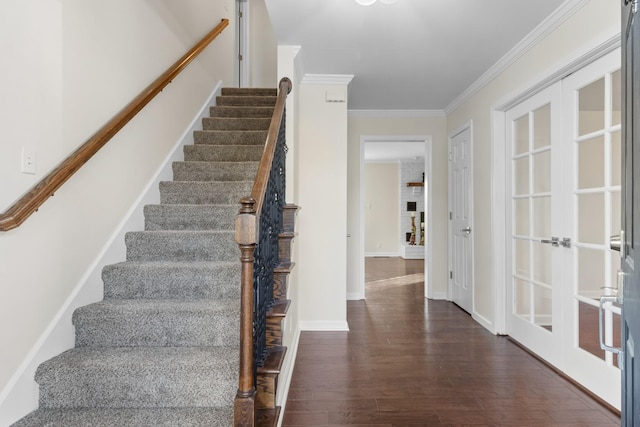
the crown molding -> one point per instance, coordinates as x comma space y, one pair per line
553, 21
327, 79
397, 113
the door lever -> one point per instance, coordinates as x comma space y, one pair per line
554, 241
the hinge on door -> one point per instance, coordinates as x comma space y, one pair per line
450, 215
240, 14
239, 57
451, 275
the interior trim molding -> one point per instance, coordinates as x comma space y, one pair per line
397, 113
327, 79
324, 325
553, 21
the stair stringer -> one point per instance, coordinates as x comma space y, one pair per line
20, 396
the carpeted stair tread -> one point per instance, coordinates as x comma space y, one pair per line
171, 280
248, 91
241, 100
136, 377
168, 245
168, 323
190, 217
215, 171
195, 192
235, 111
235, 123
129, 417
223, 153
227, 137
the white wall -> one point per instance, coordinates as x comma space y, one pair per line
381, 211
593, 24
74, 64
384, 125
263, 48
322, 183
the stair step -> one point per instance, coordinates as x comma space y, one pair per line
241, 100
153, 323
267, 417
131, 417
248, 91
181, 246
204, 193
172, 280
223, 153
135, 377
236, 123
215, 171
190, 217
267, 377
231, 111
230, 137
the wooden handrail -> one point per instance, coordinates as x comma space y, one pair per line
262, 176
17, 213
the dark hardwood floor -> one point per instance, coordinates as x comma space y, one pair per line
411, 362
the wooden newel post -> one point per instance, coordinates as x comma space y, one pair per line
246, 239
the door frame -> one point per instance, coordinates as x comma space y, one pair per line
242, 43
499, 234
428, 149
450, 234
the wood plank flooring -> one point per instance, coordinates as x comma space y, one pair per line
411, 362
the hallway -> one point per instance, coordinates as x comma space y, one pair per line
411, 362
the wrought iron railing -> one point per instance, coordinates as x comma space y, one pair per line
258, 226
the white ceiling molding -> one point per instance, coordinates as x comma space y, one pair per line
553, 21
397, 113
327, 79
583, 60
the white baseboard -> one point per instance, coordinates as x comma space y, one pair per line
324, 325
20, 395
486, 323
286, 374
382, 254
438, 295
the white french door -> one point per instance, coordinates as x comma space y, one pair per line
564, 165
592, 133
535, 277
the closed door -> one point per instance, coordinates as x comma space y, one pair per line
461, 232
534, 158
592, 133
565, 153
631, 216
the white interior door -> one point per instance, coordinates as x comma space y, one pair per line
592, 132
534, 156
461, 232
564, 165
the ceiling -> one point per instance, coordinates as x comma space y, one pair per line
411, 55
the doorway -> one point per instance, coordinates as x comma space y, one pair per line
399, 149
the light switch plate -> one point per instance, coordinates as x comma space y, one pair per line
28, 161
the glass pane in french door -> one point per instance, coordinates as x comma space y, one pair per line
531, 218
597, 203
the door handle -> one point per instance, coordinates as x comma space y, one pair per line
554, 241
616, 243
603, 301
466, 230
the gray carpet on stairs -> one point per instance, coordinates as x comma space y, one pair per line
162, 348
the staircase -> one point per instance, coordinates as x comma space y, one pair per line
162, 348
